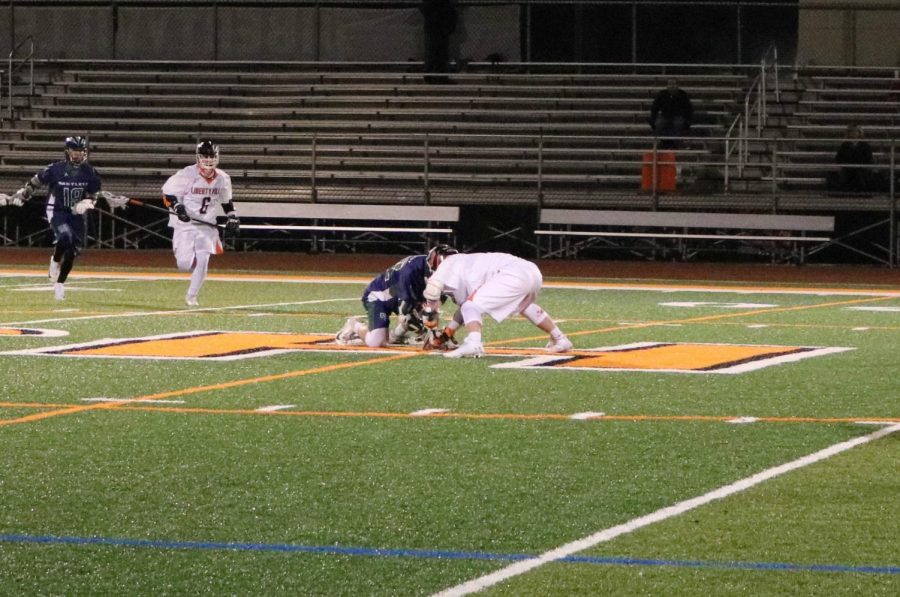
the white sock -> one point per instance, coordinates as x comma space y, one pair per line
556, 333
473, 338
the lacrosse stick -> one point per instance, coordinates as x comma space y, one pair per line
152, 207
113, 201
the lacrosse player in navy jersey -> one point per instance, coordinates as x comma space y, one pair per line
72, 187
193, 193
396, 291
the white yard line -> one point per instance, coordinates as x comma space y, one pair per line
130, 400
274, 408
725, 289
569, 549
172, 312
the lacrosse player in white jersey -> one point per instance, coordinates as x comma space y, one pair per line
193, 193
498, 284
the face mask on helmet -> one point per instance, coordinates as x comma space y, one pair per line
76, 150
207, 157
437, 254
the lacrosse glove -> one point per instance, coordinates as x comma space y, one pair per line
19, 198
181, 212
232, 223
82, 206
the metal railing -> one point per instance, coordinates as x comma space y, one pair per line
737, 137
601, 172
15, 66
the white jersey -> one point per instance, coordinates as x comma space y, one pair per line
500, 283
200, 195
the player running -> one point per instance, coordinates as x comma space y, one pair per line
398, 290
193, 193
72, 187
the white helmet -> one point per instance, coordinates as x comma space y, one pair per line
436, 255
207, 157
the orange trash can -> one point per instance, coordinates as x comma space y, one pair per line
666, 174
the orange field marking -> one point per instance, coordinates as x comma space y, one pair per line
699, 319
199, 389
237, 383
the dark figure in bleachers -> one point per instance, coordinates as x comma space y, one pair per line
853, 155
440, 23
671, 114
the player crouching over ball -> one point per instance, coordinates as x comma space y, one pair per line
498, 284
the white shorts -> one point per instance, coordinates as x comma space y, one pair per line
509, 291
189, 240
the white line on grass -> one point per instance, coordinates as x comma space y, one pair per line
586, 416
274, 408
427, 412
568, 549
129, 400
174, 312
742, 420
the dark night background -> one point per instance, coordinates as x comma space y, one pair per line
705, 32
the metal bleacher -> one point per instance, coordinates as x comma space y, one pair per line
305, 132
532, 135
803, 140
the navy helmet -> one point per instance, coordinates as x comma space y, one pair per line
76, 150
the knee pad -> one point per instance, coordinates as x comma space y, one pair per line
534, 313
470, 312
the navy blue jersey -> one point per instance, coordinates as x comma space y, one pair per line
405, 280
402, 282
68, 184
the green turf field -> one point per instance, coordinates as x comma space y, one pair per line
701, 439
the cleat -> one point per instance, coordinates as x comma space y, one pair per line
347, 334
53, 274
59, 291
561, 344
191, 301
467, 349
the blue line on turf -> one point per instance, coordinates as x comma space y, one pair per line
438, 554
